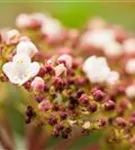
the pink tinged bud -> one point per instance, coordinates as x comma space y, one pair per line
109, 105
58, 82
102, 122
38, 84
113, 78
84, 99
92, 107
66, 59
120, 122
45, 105
98, 95
60, 69
125, 103
42, 72
132, 120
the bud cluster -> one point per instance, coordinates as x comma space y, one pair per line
75, 78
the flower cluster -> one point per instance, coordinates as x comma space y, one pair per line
75, 78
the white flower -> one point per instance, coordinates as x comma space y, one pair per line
113, 78
52, 28
130, 66
26, 47
129, 46
86, 125
96, 69
28, 20
21, 69
97, 38
40, 17
113, 49
60, 69
10, 36
130, 91
23, 21
67, 59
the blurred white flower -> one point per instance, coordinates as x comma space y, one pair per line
113, 78
52, 28
29, 20
21, 69
113, 49
10, 36
130, 66
97, 38
86, 125
23, 21
67, 59
60, 69
96, 69
130, 91
26, 47
129, 46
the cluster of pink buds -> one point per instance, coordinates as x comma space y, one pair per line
75, 78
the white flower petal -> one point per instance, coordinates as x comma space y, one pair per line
34, 68
26, 47
96, 69
130, 66
21, 58
113, 78
8, 69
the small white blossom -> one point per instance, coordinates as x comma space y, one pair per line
86, 125
28, 20
97, 38
21, 69
60, 69
67, 59
26, 47
130, 66
113, 78
113, 49
96, 69
130, 91
11, 36
52, 28
129, 46
23, 21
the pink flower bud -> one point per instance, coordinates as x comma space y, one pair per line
44, 105
60, 69
66, 59
38, 84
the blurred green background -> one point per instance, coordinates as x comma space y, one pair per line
72, 14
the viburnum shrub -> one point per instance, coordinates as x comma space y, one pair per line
80, 79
